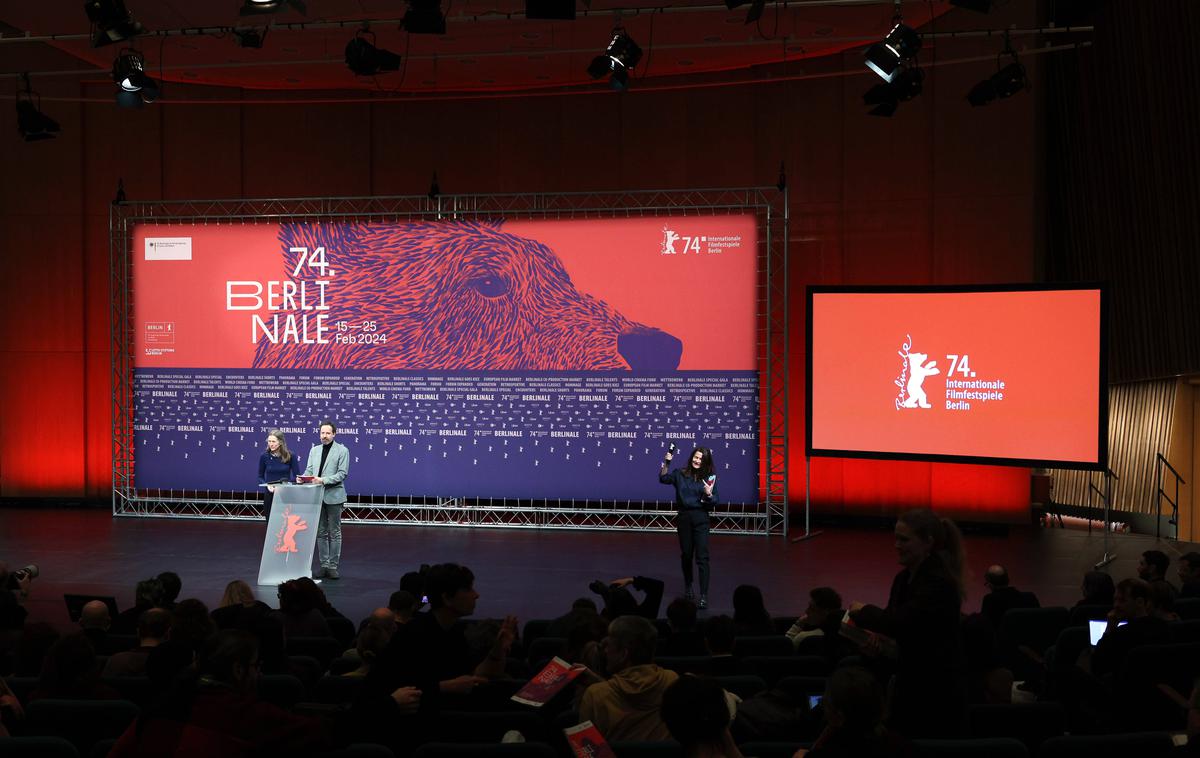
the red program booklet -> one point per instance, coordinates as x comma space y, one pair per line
548, 682
587, 742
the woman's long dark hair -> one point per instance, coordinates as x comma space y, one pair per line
285, 455
706, 464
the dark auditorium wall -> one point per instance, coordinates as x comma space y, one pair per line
941, 193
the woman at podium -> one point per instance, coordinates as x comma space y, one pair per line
275, 465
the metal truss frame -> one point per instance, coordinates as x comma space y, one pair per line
769, 516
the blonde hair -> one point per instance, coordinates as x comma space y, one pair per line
946, 539
237, 592
285, 455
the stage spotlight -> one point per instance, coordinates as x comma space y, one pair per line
111, 22
979, 6
134, 87
364, 59
886, 97
250, 38
424, 17
887, 56
257, 7
31, 122
756, 8
1006, 82
550, 10
621, 55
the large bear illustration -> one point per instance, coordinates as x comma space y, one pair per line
460, 296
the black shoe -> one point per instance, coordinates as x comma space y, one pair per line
332, 574
319, 573
703, 602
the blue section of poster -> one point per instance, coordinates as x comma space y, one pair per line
553, 435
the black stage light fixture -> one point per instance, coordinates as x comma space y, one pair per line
111, 22
887, 56
979, 6
550, 10
258, 7
250, 38
364, 59
886, 97
756, 8
134, 87
31, 122
1006, 82
621, 55
424, 17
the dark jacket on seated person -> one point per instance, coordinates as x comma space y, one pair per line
1003, 599
1114, 647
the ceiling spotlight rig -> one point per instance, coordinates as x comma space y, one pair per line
754, 13
364, 59
250, 37
621, 55
111, 22
887, 96
1006, 82
134, 87
31, 122
893, 53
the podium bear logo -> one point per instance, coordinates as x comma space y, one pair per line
287, 535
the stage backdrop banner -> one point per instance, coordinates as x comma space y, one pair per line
1011, 376
518, 359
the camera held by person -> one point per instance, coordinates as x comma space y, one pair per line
11, 580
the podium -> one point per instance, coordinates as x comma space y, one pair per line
291, 533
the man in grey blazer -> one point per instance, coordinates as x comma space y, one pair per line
329, 462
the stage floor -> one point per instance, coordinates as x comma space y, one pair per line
532, 574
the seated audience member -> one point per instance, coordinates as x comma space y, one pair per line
1162, 600
238, 609
431, 652
685, 638
816, 632
152, 631
191, 625
403, 606
750, 617
414, 584
301, 617
1097, 589
1133, 603
619, 601
697, 717
372, 641
217, 713
171, 587
147, 595
1002, 596
854, 709
561, 627
583, 641
71, 672
626, 707
1189, 574
1152, 566
94, 622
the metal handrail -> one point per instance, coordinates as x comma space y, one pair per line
1160, 461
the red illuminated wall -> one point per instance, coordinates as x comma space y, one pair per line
942, 193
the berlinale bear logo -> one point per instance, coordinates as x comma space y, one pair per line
913, 372
459, 296
286, 542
